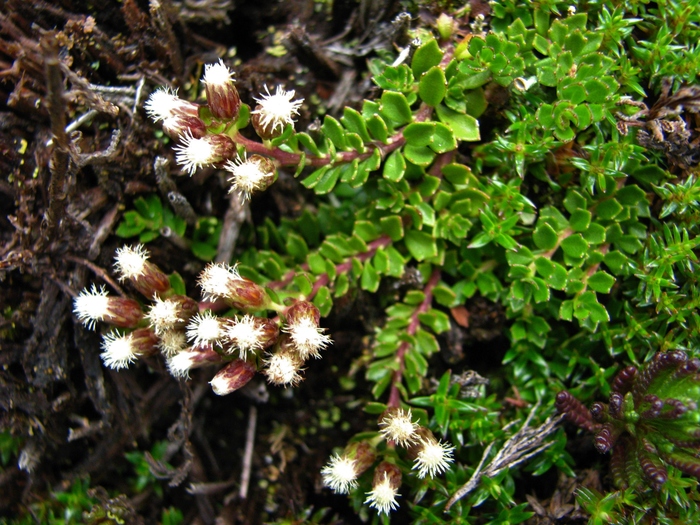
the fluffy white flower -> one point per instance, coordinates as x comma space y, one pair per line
434, 457
91, 305
250, 175
278, 110
383, 496
119, 350
205, 328
245, 334
162, 104
282, 369
194, 153
163, 315
171, 342
130, 261
217, 74
215, 278
308, 338
398, 426
340, 475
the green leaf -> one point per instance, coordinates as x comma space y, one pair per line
601, 282
465, 127
420, 245
425, 57
608, 209
377, 127
395, 107
334, 132
177, 283
392, 226
443, 139
580, 220
296, 246
419, 134
323, 301
354, 122
574, 246
420, 156
432, 87
544, 236
394, 167
370, 278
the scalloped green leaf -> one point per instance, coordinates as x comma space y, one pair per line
465, 127
395, 107
426, 56
432, 86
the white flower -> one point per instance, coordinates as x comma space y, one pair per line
307, 338
383, 496
205, 328
180, 364
172, 342
340, 475
194, 153
215, 278
130, 261
245, 334
119, 350
163, 315
217, 74
91, 306
434, 457
397, 426
162, 104
282, 369
250, 175
278, 110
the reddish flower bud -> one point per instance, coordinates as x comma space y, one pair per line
179, 126
233, 376
172, 313
180, 364
222, 96
385, 487
132, 263
220, 280
95, 305
211, 150
256, 173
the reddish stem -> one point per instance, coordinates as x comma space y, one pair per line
394, 395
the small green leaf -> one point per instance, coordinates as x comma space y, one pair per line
432, 87
465, 127
443, 139
334, 132
420, 156
323, 301
580, 220
574, 246
425, 57
392, 226
601, 282
419, 134
354, 122
394, 167
377, 127
395, 107
420, 244
608, 209
177, 283
545, 237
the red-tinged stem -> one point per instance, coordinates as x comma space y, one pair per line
414, 323
323, 279
285, 158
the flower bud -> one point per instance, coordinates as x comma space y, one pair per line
172, 313
274, 112
95, 305
222, 96
232, 376
222, 281
283, 368
120, 350
265, 131
397, 425
178, 126
193, 153
164, 103
385, 488
132, 263
250, 334
430, 456
342, 470
303, 328
180, 365
256, 173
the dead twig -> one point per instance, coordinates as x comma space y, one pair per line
521, 446
248, 454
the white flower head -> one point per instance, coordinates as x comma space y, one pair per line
340, 475
434, 457
383, 496
91, 305
308, 338
397, 425
163, 315
180, 364
283, 369
250, 175
217, 74
205, 328
245, 334
193, 153
162, 104
171, 342
215, 278
130, 261
278, 110
119, 351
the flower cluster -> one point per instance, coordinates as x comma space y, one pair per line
429, 455
651, 420
206, 135
189, 334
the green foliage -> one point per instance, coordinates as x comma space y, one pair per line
144, 476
